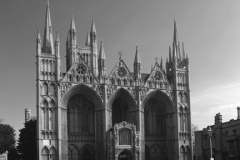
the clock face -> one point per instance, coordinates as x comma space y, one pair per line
157, 75
81, 69
121, 72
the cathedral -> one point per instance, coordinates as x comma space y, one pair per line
85, 114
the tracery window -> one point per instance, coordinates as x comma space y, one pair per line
80, 115
154, 118
125, 137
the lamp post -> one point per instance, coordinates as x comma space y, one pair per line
210, 138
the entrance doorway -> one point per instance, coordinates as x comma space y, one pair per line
125, 156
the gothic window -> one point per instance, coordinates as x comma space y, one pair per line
81, 69
84, 119
72, 153
187, 153
52, 92
45, 153
125, 137
184, 98
45, 114
80, 115
180, 97
155, 152
122, 72
44, 89
154, 118
51, 115
53, 154
182, 153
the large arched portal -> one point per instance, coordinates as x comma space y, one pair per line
122, 107
158, 122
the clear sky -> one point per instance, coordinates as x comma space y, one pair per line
210, 30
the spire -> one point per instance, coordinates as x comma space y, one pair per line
101, 52
183, 51
137, 56
87, 40
93, 28
170, 57
72, 26
57, 37
175, 34
38, 35
161, 63
47, 39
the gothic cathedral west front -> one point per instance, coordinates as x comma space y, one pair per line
85, 114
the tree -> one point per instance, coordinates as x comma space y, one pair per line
27, 142
194, 129
7, 137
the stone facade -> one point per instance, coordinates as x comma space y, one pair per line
85, 114
225, 140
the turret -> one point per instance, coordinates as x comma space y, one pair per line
27, 115
87, 43
47, 38
72, 32
102, 61
93, 46
71, 44
137, 65
38, 43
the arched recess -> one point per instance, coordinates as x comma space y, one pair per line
44, 89
45, 153
73, 152
52, 90
126, 155
157, 107
122, 106
87, 152
51, 115
53, 153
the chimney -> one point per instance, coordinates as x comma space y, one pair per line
238, 112
218, 119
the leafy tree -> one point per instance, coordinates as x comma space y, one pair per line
27, 142
7, 137
13, 154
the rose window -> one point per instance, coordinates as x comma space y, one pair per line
81, 69
121, 72
158, 75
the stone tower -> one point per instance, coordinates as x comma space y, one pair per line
85, 114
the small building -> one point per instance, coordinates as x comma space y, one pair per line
225, 140
4, 156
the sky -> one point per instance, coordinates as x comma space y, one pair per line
208, 28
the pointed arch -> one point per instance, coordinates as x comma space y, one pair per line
182, 153
147, 152
51, 115
73, 152
45, 153
83, 90
53, 153
52, 89
87, 152
125, 95
44, 88
161, 96
45, 114
187, 153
